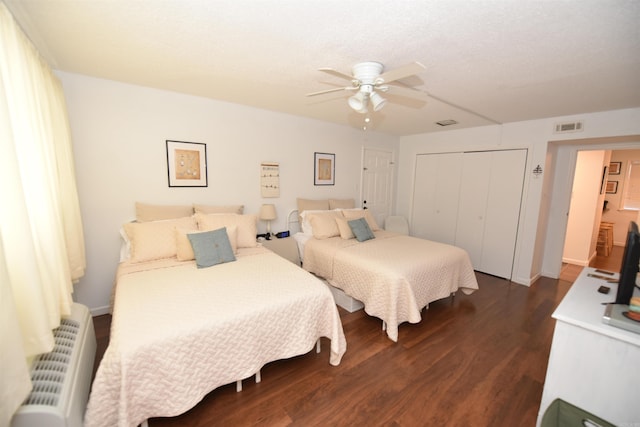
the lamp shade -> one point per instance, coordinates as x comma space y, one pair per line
359, 102
377, 101
267, 212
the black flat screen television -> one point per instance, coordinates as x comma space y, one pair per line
629, 268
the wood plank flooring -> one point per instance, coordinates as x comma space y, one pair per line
477, 360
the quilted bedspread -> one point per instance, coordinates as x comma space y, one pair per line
394, 275
179, 332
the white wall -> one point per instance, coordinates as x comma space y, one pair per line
119, 134
586, 208
546, 198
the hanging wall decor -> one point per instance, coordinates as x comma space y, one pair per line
603, 182
324, 169
614, 168
187, 164
270, 179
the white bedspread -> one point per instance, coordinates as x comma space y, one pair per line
179, 332
394, 275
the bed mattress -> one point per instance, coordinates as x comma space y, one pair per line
394, 275
179, 332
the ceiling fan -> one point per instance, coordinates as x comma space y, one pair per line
368, 79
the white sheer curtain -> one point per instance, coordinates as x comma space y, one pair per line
41, 240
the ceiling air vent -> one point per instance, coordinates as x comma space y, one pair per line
569, 127
447, 122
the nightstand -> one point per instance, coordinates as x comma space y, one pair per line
285, 247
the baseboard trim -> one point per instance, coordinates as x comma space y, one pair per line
100, 311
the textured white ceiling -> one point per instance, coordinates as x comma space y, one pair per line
487, 61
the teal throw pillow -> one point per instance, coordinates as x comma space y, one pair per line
360, 229
211, 247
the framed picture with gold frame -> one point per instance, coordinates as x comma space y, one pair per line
187, 164
324, 169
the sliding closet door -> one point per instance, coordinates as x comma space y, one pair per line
489, 210
435, 196
471, 200
474, 190
503, 212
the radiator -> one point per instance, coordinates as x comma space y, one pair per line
62, 378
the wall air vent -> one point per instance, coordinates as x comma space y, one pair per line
62, 378
447, 122
576, 126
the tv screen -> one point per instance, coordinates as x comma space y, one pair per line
629, 268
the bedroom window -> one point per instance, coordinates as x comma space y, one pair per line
41, 241
631, 189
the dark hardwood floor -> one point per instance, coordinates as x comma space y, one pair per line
477, 360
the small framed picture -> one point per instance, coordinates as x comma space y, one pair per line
603, 181
614, 168
187, 164
324, 169
612, 187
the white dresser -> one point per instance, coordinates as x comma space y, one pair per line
593, 365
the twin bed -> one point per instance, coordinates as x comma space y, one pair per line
185, 323
393, 275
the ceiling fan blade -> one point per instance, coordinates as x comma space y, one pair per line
336, 73
406, 101
400, 73
401, 88
329, 91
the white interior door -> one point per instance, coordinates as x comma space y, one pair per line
471, 200
474, 190
503, 211
377, 183
435, 196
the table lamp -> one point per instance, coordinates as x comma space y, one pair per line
268, 213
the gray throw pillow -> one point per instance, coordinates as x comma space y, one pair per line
211, 247
361, 229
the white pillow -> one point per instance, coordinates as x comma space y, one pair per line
324, 224
350, 214
345, 230
155, 239
311, 205
146, 212
305, 224
209, 209
125, 246
342, 204
246, 226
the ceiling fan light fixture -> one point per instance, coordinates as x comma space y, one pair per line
368, 79
377, 101
358, 102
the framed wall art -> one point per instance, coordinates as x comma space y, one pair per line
614, 168
324, 169
187, 164
603, 182
612, 187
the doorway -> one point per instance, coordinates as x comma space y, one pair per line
377, 182
598, 195
558, 181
